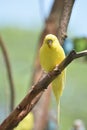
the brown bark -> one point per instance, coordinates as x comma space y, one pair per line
31, 98
52, 26
52, 22
55, 24
64, 20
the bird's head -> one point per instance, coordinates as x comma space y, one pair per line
51, 41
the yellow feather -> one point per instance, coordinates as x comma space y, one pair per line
27, 123
51, 54
58, 86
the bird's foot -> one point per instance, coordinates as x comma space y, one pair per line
57, 70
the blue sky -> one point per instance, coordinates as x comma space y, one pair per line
26, 14
78, 20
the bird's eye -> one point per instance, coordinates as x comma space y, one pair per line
49, 41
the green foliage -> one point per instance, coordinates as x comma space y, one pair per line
73, 103
21, 46
80, 44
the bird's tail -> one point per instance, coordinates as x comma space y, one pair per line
58, 114
58, 86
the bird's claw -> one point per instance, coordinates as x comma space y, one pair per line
57, 70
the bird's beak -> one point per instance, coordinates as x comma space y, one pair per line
49, 42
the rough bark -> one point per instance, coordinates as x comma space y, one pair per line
52, 25
31, 98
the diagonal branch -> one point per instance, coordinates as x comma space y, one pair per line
31, 98
51, 26
56, 24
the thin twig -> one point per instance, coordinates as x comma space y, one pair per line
31, 98
9, 72
80, 54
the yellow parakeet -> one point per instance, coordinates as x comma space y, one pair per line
51, 54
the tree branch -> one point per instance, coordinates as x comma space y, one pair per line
11, 84
51, 26
31, 98
64, 20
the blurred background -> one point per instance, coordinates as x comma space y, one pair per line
21, 25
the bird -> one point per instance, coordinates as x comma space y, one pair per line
52, 54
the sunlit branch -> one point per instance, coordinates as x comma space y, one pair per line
32, 97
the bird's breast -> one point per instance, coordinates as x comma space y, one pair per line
50, 58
